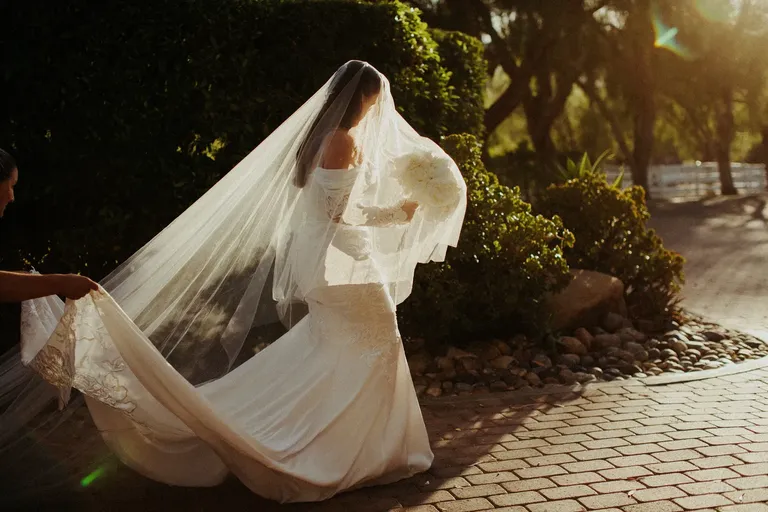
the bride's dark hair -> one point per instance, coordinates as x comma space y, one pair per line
368, 84
7, 165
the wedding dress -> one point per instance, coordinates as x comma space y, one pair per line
327, 407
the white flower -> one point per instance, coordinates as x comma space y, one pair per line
430, 180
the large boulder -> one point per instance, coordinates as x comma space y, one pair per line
586, 300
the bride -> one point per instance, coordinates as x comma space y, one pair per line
318, 229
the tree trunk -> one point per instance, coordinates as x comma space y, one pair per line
727, 187
546, 153
708, 151
725, 129
539, 126
764, 157
645, 119
643, 92
503, 107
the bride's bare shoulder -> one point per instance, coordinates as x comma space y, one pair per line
339, 153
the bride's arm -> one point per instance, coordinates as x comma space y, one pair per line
399, 214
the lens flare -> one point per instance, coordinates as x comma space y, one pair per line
666, 37
89, 479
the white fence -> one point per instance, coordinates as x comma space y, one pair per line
694, 181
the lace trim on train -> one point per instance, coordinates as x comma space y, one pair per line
55, 362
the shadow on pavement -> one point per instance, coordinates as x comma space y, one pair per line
465, 432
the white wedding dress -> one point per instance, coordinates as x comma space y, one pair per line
327, 407
330, 405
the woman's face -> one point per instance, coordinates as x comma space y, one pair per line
6, 190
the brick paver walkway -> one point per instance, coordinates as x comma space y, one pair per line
725, 243
618, 447
694, 446
611, 447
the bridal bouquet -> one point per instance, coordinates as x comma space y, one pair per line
430, 180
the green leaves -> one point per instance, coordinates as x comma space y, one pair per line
575, 171
507, 261
611, 236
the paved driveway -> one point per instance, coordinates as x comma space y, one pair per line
725, 242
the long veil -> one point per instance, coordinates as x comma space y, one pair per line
234, 271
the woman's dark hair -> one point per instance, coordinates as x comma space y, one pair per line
369, 83
7, 165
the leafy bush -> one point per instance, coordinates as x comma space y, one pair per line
573, 170
507, 261
462, 55
124, 113
612, 237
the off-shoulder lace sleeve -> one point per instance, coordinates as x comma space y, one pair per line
336, 203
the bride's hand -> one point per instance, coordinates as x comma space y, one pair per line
410, 207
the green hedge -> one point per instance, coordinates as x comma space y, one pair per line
612, 237
122, 113
496, 280
463, 56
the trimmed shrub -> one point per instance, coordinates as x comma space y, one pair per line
496, 280
612, 237
463, 56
